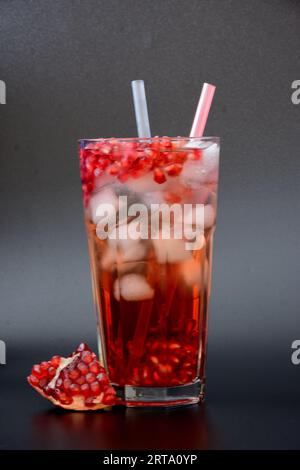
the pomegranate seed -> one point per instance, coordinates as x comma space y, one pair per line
165, 369
90, 187
186, 365
67, 383
113, 170
51, 372
55, 361
75, 389
175, 360
156, 377
44, 365
146, 373
123, 177
159, 176
87, 357
89, 402
105, 149
174, 170
59, 382
110, 391
184, 376
43, 382
166, 142
83, 368
102, 164
195, 154
154, 359
74, 374
33, 380
95, 367
95, 387
172, 197
130, 145
102, 378
80, 380
109, 399
135, 375
85, 389
63, 398
150, 153
155, 346
37, 372
90, 377
188, 348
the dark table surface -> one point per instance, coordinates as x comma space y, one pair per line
238, 414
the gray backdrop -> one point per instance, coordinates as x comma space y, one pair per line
68, 66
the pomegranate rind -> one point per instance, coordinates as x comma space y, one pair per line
77, 405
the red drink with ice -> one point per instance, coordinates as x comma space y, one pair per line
151, 286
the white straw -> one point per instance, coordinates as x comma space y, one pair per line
140, 108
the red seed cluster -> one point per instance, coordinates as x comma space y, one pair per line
165, 362
168, 363
84, 377
132, 159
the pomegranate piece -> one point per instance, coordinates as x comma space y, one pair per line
174, 170
159, 176
77, 382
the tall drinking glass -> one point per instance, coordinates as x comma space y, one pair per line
150, 212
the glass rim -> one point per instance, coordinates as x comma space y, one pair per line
147, 139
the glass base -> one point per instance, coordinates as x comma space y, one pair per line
180, 395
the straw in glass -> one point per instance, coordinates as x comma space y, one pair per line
203, 109
140, 108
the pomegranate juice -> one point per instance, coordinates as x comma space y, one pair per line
151, 283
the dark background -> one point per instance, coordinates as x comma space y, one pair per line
67, 67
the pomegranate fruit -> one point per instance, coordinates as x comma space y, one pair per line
77, 382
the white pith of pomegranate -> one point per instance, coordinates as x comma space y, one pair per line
77, 382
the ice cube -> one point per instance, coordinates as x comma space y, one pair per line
126, 235
209, 216
120, 255
122, 248
170, 250
106, 196
210, 158
136, 252
146, 183
195, 273
109, 258
196, 144
193, 174
103, 180
113, 258
133, 287
153, 197
192, 272
200, 195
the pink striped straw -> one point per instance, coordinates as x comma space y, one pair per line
203, 108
